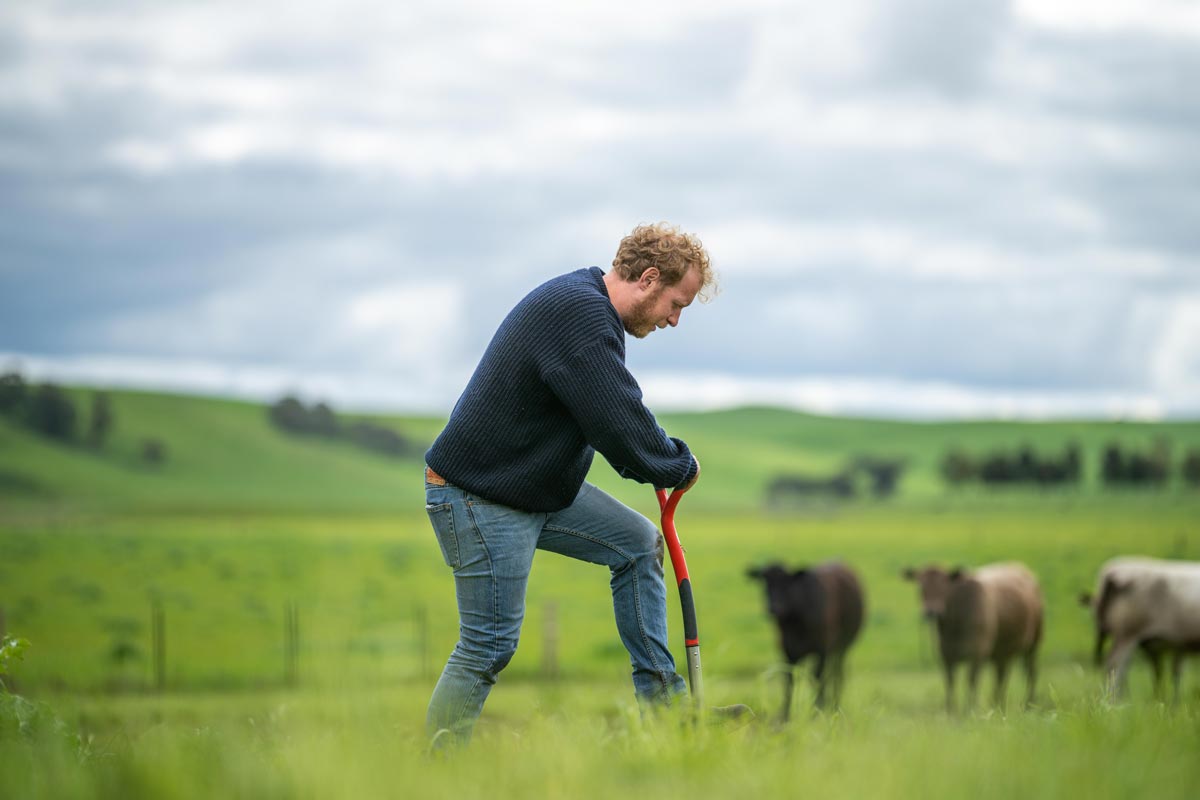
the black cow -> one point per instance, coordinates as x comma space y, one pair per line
819, 611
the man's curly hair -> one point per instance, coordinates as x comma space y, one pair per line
672, 251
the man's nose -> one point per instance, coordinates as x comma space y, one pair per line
673, 320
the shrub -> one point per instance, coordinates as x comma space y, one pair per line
14, 395
101, 422
52, 413
378, 439
154, 452
291, 415
1191, 468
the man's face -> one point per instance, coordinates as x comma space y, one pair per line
659, 306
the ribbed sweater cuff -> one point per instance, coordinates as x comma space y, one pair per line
691, 473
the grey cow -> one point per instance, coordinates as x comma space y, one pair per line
1147, 603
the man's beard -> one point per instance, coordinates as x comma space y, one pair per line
641, 322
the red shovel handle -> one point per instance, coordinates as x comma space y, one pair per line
667, 505
678, 563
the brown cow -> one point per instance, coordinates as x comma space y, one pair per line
819, 611
992, 614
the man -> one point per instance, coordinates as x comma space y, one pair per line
506, 475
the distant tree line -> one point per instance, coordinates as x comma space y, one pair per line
47, 409
1191, 468
1135, 468
1022, 466
292, 416
880, 477
1118, 466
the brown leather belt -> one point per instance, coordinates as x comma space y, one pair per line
433, 478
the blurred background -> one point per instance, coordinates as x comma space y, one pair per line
917, 209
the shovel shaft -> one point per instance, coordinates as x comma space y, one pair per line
691, 637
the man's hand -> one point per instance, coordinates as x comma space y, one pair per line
695, 477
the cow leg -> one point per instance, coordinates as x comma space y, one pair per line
821, 679
1154, 656
1176, 674
1118, 665
786, 711
1030, 677
973, 670
838, 669
1099, 654
948, 668
1000, 699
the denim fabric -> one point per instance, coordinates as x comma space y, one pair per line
490, 548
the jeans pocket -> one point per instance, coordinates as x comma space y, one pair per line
441, 516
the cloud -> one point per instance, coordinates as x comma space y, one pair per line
997, 198
1168, 18
1175, 365
942, 45
320, 316
921, 400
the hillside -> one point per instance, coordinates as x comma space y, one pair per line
221, 455
225, 455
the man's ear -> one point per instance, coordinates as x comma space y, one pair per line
649, 276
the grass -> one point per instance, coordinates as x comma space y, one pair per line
575, 744
228, 726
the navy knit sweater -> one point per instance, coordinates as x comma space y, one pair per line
550, 390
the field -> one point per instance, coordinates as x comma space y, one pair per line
243, 523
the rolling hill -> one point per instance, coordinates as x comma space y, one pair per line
225, 455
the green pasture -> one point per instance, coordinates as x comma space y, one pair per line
377, 618
376, 603
242, 522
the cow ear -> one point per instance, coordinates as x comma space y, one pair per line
1115, 587
958, 573
1085, 599
908, 574
755, 573
799, 572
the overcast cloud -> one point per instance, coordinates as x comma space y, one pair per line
923, 209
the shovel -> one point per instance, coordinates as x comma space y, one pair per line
691, 639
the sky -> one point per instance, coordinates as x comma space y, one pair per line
926, 209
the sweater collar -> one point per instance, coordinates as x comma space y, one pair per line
597, 275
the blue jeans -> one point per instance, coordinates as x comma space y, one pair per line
490, 547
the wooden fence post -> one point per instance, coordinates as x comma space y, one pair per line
158, 635
9, 681
291, 644
550, 640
